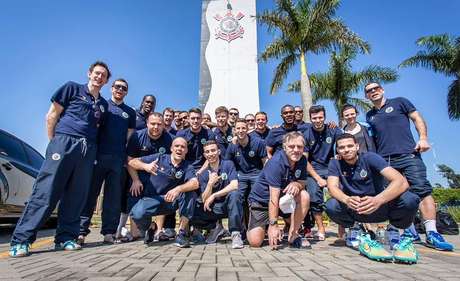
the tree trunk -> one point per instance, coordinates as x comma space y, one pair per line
305, 89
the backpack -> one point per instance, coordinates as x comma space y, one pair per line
444, 223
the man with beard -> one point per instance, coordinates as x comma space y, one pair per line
261, 129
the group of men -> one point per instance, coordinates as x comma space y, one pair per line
153, 164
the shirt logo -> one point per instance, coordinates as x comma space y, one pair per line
389, 109
144, 148
312, 142
125, 115
95, 162
251, 153
363, 173
229, 138
102, 108
203, 141
297, 173
238, 153
179, 174
56, 156
329, 140
372, 118
224, 176
82, 98
162, 150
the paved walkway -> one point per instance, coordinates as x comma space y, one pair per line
164, 261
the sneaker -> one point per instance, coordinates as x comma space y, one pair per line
237, 242
373, 249
197, 237
300, 243
19, 250
162, 236
351, 238
110, 239
170, 233
215, 234
182, 240
149, 236
70, 245
405, 251
125, 235
436, 241
412, 234
392, 236
81, 240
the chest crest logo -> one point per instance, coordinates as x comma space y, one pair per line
329, 140
125, 115
102, 108
203, 141
312, 142
144, 148
179, 174
162, 150
229, 138
56, 156
238, 153
224, 176
363, 173
389, 109
297, 173
251, 153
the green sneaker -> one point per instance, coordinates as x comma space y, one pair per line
405, 251
70, 245
19, 250
373, 249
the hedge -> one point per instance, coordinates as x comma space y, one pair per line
446, 195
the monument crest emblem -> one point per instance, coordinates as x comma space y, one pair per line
229, 27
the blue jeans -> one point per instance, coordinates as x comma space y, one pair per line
316, 193
108, 169
231, 207
64, 177
400, 212
413, 168
147, 207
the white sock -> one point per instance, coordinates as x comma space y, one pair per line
122, 223
430, 225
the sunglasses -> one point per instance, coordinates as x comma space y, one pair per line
120, 87
372, 90
250, 120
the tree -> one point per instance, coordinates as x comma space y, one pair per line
340, 83
453, 179
441, 53
304, 27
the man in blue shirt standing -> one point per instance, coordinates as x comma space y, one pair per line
147, 105
119, 124
223, 132
261, 130
356, 185
219, 198
285, 173
170, 186
73, 120
390, 121
320, 140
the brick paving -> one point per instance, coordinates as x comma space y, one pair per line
163, 261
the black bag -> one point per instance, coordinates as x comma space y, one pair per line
444, 223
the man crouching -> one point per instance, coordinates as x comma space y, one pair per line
285, 173
171, 186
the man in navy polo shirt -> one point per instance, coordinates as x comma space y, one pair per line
147, 105
219, 197
261, 129
233, 115
170, 186
168, 117
249, 156
73, 120
119, 124
284, 174
223, 132
356, 185
320, 140
274, 139
153, 139
196, 137
389, 120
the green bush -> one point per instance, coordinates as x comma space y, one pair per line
454, 211
446, 195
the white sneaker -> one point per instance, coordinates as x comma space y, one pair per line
351, 239
237, 242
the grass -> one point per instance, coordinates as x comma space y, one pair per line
454, 211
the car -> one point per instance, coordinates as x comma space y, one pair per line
19, 166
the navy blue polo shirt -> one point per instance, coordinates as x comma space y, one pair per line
260, 135
320, 146
361, 179
112, 135
195, 144
247, 159
168, 176
275, 137
82, 114
172, 131
223, 139
227, 173
391, 126
141, 120
277, 173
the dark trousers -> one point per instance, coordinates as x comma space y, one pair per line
316, 193
400, 212
147, 207
108, 169
413, 168
245, 184
231, 207
64, 177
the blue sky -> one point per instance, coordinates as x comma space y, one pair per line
155, 46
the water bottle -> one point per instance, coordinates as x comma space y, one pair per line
380, 234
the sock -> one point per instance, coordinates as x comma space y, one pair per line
122, 223
430, 225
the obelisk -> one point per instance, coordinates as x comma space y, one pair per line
228, 63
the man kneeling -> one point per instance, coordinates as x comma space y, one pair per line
171, 186
356, 184
286, 173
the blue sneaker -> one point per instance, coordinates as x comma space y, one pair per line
412, 234
392, 236
182, 240
436, 241
19, 250
70, 245
197, 237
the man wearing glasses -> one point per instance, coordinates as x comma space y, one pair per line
298, 115
251, 121
119, 124
72, 122
233, 115
389, 119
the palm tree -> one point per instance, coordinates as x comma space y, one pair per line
441, 53
340, 83
307, 26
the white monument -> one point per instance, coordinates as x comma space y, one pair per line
228, 64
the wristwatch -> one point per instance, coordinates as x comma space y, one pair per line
273, 222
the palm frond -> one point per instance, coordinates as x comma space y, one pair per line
281, 72
373, 73
361, 104
436, 43
275, 50
453, 100
438, 62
